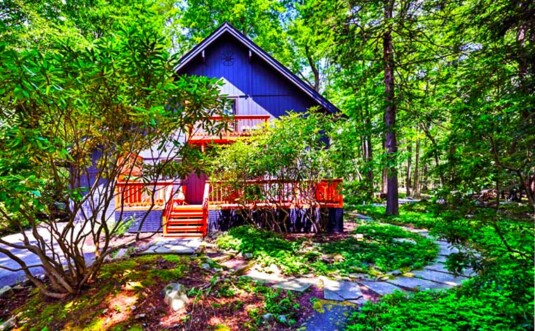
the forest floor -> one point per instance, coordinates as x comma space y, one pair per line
252, 279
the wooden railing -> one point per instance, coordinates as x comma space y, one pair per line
140, 196
237, 126
275, 191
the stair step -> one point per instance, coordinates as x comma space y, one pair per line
184, 235
183, 215
187, 208
179, 228
184, 222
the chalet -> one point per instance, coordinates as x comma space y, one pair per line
261, 89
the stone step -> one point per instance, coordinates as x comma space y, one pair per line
340, 290
381, 288
417, 284
439, 277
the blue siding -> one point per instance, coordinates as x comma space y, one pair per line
254, 77
152, 223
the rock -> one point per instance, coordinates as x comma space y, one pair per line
359, 276
175, 296
395, 273
404, 240
9, 324
247, 256
6, 291
272, 269
338, 258
267, 316
123, 252
18, 288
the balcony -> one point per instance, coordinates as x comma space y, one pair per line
275, 193
238, 126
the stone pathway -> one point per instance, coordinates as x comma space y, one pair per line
344, 296
172, 246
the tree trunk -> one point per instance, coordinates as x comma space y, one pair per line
409, 165
416, 186
392, 202
368, 153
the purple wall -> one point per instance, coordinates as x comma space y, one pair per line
253, 76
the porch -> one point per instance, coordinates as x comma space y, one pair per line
163, 206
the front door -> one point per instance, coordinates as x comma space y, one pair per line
195, 188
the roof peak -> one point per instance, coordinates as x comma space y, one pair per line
243, 39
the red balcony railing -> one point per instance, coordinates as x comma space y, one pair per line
136, 195
237, 126
278, 192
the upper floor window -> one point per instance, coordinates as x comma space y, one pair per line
230, 107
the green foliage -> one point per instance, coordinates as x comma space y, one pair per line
379, 251
448, 310
93, 86
500, 297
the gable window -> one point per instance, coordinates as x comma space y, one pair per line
230, 107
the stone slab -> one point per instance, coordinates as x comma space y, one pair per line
331, 317
296, 284
439, 277
264, 277
381, 288
417, 283
441, 259
437, 267
340, 290
468, 272
181, 246
363, 217
446, 249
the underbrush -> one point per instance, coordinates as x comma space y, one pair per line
128, 296
372, 248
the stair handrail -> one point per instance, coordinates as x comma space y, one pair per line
205, 199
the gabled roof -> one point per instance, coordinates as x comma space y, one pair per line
255, 49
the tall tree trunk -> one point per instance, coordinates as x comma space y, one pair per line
384, 174
368, 152
392, 202
416, 186
409, 165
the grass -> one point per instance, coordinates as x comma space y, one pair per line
380, 250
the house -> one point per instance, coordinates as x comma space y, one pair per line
260, 89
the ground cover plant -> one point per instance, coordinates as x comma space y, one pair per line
497, 243
372, 248
128, 296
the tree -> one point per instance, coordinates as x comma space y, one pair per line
69, 98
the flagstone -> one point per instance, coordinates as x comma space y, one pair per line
381, 288
417, 283
296, 284
439, 277
341, 290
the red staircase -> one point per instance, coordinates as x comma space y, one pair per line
185, 220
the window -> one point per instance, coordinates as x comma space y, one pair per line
230, 107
